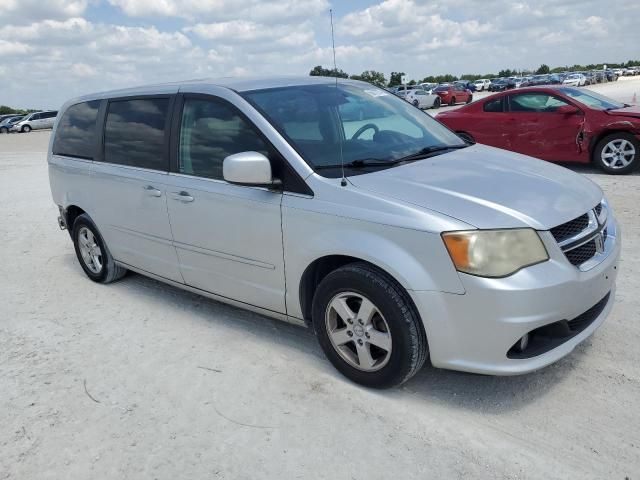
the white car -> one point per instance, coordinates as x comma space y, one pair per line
35, 121
482, 84
575, 80
422, 99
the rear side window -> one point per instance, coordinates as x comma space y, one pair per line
495, 105
135, 133
76, 132
210, 132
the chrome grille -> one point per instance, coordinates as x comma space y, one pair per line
581, 254
571, 228
583, 237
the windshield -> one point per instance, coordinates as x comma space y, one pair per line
367, 124
592, 99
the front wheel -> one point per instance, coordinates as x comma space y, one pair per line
367, 326
416, 103
4, 130
92, 252
617, 153
452, 102
437, 103
26, 129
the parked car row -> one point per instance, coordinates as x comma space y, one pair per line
627, 72
431, 95
28, 122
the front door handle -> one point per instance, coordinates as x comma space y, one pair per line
182, 196
152, 191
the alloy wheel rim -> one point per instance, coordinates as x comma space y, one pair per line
90, 250
618, 153
358, 331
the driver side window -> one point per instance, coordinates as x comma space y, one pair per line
210, 132
535, 102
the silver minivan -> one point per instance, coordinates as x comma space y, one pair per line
35, 121
391, 237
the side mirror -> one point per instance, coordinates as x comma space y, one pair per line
568, 110
248, 168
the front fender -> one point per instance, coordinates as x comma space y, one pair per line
418, 260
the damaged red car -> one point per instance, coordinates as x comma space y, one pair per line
558, 124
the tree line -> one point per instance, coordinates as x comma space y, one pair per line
378, 78
4, 110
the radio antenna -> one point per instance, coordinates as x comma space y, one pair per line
343, 182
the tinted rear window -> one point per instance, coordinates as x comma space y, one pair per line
135, 133
76, 132
441, 89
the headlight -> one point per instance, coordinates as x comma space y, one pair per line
494, 253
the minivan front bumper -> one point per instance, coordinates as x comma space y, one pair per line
474, 331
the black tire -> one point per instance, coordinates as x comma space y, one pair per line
4, 130
437, 103
416, 103
26, 129
466, 137
409, 343
109, 272
452, 102
596, 154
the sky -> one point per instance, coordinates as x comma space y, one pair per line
53, 50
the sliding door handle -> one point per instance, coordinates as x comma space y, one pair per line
182, 196
152, 191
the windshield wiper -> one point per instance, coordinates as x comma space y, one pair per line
360, 163
427, 152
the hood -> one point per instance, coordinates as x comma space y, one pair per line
631, 111
488, 188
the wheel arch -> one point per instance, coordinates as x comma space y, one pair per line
317, 270
70, 214
618, 127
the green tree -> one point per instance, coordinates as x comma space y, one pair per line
320, 71
543, 69
506, 73
371, 76
395, 78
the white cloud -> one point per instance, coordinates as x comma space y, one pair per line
64, 51
19, 11
83, 70
220, 10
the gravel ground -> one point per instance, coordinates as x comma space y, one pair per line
139, 380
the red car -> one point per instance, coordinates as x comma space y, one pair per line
452, 94
559, 124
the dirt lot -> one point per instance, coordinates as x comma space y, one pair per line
139, 380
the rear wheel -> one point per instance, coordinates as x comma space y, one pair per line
416, 103
452, 102
368, 327
617, 153
4, 130
26, 129
437, 103
92, 252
